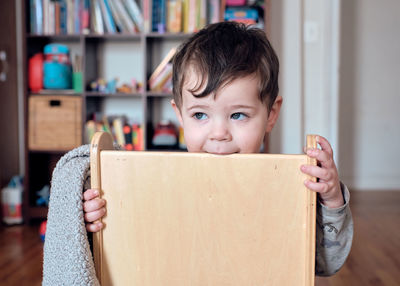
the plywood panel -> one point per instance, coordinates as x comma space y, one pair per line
201, 219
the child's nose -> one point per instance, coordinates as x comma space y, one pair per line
220, 131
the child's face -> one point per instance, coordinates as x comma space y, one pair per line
235, 121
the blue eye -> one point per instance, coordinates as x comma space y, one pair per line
238, 116
200, 116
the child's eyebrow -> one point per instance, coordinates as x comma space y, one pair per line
200, 106
238, 106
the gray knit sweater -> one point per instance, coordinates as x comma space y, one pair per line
67, 256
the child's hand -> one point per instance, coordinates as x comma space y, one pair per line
94, 209
327, 185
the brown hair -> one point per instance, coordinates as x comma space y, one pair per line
223, 52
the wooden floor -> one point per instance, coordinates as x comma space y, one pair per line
374, 259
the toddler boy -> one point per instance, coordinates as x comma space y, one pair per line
225, 90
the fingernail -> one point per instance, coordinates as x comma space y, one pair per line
96, 192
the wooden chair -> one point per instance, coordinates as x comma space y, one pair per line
199, 219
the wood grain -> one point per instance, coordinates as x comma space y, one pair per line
201, 219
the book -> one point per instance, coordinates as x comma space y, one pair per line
108, 20
85, 15
213, 11
246, 15
70, 17
162, 64
76, 16
146, 15
134, 12
174, 16
120, 27
161, 79
62, 17
99, 26
118, 131
124, 16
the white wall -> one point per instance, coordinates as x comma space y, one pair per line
305, 36
344, 84
370, 94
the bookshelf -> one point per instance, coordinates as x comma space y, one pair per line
122, 55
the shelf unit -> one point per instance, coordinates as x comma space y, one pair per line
40, 164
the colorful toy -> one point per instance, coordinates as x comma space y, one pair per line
11, 199
44, 195
57, 67
165, 134
42, 230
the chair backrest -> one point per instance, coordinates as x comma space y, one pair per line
200, 219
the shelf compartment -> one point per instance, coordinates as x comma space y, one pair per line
117, 94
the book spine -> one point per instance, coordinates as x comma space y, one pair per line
52, 18
185, 10
110, 17
77, 19
99, 18
213, 11
85, 17
70, 17
192, 16
32, 10
155, 15
46, 17
116, 16
162, 17
118, 130
126, 20
39, 17
57, 18
135, 13
174, 16
146, 16
63, 17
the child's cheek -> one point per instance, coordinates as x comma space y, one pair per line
192, 140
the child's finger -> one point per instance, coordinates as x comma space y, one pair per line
95, 215
320, 187
324, 145
93, 205
90, 194
323, 157
315, 171
94, 227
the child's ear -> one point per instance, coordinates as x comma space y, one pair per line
177, 112
274, 113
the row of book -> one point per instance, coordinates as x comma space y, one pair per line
129, 136
51, 17
186, 16
54, 17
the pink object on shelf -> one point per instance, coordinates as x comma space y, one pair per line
235, 2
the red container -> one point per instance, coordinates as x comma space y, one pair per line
36, 72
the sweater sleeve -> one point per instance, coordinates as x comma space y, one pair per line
334, 236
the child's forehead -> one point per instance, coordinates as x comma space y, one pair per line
239, 91
194, 79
